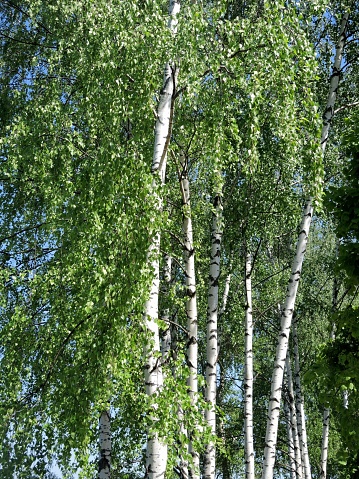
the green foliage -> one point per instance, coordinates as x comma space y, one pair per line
343, 202
78, 88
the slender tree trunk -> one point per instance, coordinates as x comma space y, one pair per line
191, 311
327, 118
287, 312
104, 463
325, 440
166, 337
326, 412
334, 83
293, 420
156, 454
248, 373
291, 454
225, 295
302, 430
182, 463
282, 347
212, 343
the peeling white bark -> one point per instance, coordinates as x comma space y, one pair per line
104, 463
212, 342
248, 373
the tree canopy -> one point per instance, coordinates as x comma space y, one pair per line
148, 227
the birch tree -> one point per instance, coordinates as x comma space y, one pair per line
287, 312
212, 325
191, 307
104, 469
248, 374
156, 459
299, 403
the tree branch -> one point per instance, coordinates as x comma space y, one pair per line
348, 105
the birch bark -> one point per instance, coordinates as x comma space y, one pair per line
290, 442
166, 337
156, 453
334, 83
182, 467
248, 373
282, 347
104, 463
325, 440
225, 295
293, 420
191, 310
212, 342
326, 412
287, 312
302, 430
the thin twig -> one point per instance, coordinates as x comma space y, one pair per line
11, 4
177, 325
26, 42
271, 276
245, 50
348, 105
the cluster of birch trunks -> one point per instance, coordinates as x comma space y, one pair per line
286, 376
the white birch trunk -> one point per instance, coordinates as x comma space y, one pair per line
287, 313
334, 83
326, 413
299, 401
293, 420
212, 342
166, 338
248, 373
325, 441
282, 347
104, 463
327, 118
156, 454
182, 462
225, 295
290, 442
191, 312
